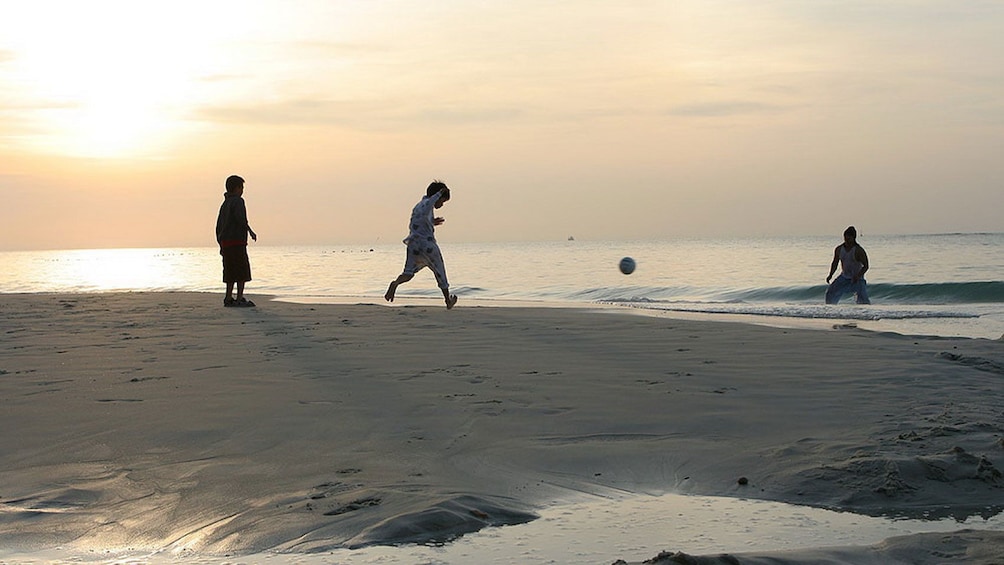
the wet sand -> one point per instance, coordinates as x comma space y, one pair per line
165, 422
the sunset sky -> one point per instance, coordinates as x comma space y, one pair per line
638, 119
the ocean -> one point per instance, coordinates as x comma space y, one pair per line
941, 284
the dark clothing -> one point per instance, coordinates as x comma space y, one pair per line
232, 235
236, 265
232, 223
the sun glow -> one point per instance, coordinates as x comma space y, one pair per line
103, 126
114, 78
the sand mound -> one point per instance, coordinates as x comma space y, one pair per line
442, 522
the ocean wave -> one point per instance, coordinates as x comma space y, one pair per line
985, 292
822, 312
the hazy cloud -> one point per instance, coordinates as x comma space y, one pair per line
354, 114
723, 109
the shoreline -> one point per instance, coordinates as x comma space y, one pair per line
181, 425
781, 322
893, 326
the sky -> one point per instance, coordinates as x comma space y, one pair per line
602, 120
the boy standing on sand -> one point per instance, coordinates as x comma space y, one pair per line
232, 231
853, 261
423, 251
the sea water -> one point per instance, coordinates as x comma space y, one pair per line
945, 284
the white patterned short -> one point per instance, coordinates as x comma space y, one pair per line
425, 253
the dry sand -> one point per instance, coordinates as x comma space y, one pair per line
165, 421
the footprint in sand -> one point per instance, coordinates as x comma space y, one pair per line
357, 504
143, 379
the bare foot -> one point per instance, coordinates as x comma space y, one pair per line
389, 297
451, 301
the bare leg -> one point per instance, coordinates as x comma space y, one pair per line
392, 289
451, 299
240, 290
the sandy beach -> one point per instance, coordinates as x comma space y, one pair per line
165, 421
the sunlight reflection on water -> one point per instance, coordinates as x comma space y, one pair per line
596, 531
112, 269
103, 270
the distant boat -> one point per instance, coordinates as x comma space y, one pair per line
570, 238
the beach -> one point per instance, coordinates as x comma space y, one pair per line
162, 421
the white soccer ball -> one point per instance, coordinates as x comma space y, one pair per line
627, 265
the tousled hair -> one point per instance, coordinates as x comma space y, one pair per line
435, 187
234, 182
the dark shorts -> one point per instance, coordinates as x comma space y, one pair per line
236, 265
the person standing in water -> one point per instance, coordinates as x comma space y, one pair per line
853, 261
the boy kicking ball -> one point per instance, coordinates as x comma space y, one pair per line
423, 251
